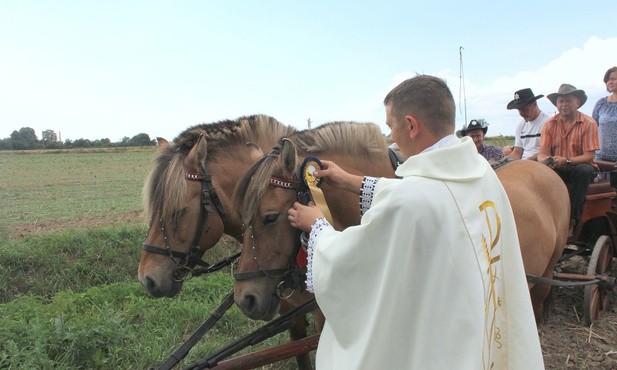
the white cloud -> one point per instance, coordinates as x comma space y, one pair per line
583, 67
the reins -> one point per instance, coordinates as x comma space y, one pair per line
209, 198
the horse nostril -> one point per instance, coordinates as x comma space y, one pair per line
249, 302
150, 284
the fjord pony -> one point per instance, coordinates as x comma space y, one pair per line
268, 257
539, 201
541, 208
188, 195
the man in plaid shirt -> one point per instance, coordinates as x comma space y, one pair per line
476, 131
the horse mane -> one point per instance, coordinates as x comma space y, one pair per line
164, 188
223, 134
341, 137
251, 189
334, 138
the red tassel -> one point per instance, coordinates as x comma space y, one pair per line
301, 258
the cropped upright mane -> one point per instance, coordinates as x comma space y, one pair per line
351, 138
348, 138
223, 134
165, 185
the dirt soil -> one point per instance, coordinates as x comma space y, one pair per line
566, 342
40, 227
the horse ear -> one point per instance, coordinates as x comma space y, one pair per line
256, 148
288, 156
161, 144
197, 155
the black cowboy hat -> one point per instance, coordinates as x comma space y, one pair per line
473, 125
522, 98
567, 89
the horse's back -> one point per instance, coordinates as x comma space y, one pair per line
344, 204
541, 208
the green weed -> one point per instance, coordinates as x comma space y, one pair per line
68, 260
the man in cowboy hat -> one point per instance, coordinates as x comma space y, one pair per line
476, 131
528, 131
569, 143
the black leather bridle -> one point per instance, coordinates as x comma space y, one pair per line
291, 276
209, 202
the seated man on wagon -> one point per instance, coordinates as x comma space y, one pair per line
528, 132
476, 131
569, 143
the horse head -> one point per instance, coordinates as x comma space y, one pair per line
188, 195
267, 270
186, 218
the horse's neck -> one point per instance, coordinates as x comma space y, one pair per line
344, 205
227, 171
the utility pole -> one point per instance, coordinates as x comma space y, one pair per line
461, 89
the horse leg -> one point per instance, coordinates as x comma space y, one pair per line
319, 319
541, 295
538, 293
298, 330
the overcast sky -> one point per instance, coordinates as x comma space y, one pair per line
110, 69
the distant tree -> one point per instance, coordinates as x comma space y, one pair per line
23, 139
17, 143
6, 144
49, 136
82, 143
28, 134
53, 145
50, 140
141, 140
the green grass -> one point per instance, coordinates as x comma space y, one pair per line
68, 260
115, 327
72, 300
64, 185
499, 141
69, 297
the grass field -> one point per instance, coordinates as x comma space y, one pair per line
60, 186
70, 237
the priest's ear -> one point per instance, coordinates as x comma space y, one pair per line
413, 124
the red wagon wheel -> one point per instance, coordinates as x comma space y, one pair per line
600, 262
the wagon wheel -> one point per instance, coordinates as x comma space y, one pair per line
596, 297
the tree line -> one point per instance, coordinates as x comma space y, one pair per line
25, 139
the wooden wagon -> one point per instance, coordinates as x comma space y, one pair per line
595, 239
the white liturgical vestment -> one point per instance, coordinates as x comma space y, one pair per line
432, 278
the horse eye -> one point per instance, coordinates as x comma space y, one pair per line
270, 218
179, 213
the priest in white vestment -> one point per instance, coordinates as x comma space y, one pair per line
432, 278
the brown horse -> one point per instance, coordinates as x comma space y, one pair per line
539, 200
541, 208
188, 195
267, 262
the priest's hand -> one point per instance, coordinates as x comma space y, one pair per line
303, 217
335, 176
